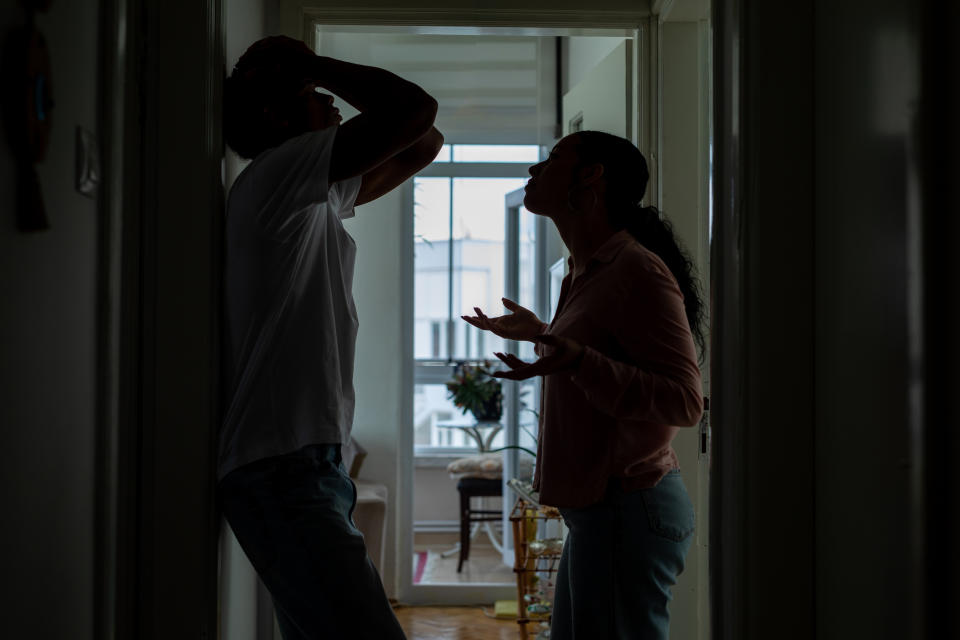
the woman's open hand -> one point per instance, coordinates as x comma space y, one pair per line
565, 356
520, 324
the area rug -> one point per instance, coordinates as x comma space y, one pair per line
424, 566
419, 565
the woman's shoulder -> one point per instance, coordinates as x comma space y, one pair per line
638, 259
642, 274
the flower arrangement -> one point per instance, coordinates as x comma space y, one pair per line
474, 389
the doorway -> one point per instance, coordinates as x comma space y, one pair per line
499, 92
668, 108
390, 440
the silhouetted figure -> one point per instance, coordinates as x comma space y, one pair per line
620, 377
291, 323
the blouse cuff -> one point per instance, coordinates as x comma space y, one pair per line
537, 346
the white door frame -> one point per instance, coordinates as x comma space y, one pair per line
299, 21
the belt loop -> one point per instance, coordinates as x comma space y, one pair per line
338, 454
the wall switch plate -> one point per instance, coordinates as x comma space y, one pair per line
88, 162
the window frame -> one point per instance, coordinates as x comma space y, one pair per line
440, 371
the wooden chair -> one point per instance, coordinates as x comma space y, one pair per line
474, 487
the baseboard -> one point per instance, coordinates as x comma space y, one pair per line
436, 526
442, 526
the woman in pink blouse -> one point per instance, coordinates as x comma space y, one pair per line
621, 376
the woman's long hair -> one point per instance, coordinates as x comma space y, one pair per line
626, 174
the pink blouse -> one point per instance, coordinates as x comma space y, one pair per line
616, 416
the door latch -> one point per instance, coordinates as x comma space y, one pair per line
705, 428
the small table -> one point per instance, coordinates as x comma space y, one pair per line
476, 431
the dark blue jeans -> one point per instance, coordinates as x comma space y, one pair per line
620, 558
293, 516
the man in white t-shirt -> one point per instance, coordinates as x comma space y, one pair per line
291, 323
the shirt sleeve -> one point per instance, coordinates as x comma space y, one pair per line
343, 195
293, 176
538, 347
659, 381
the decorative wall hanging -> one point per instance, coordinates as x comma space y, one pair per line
27, 107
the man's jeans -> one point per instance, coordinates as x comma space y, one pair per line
620, 558
293, 516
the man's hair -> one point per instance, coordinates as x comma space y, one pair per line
269, 75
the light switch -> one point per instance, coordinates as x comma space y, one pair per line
88, 162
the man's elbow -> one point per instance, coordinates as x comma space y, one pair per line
432, 142
426, 148
427, 115
430, 107
419, 111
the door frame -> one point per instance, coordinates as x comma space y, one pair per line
498, 17
157, 525
762, 402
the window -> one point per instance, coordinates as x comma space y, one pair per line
460, 262
529, 276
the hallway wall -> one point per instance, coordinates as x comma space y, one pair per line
817, 507
866, 71
48, 366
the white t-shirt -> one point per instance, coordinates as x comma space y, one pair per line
291, 323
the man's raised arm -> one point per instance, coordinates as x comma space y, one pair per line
394, 114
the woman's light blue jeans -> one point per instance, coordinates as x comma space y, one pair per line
620, 559
293, 516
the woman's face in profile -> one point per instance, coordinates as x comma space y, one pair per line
550, 181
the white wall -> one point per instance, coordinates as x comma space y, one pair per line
435, 496
378, 371
244, 23
602, 97
48, 366
581, 54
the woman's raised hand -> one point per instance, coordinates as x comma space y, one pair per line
520, 324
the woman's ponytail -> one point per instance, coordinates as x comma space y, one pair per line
625, 170
655, 232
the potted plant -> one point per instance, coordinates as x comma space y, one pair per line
474, 389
